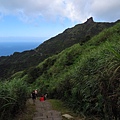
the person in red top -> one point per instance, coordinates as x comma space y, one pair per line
42, 98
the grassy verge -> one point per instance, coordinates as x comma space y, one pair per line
60, 106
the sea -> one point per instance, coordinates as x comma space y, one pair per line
8, 48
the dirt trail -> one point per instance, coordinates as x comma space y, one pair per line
44, 111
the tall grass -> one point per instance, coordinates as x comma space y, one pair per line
85, 77
13, 96
88, 80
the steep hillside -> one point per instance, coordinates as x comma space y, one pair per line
78, 34
86, 77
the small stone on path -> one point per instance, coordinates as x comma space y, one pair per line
67, 116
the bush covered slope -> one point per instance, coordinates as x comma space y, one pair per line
86, 76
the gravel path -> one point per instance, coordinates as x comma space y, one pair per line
44, 111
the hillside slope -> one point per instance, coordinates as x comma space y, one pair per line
78, 34
86, 77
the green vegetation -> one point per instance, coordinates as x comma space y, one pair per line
60, 106
86, 77
27, 113
13, 96
78, 34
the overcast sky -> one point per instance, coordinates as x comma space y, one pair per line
47, 18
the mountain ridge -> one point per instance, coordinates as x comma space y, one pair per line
85, 77
80, 33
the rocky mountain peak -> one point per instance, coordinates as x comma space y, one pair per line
89, 20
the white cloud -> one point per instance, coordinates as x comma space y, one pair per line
75, 10
106, 9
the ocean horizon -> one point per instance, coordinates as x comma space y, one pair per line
8, 48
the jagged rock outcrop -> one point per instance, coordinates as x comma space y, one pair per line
90, 20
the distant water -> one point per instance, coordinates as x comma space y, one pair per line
8, 48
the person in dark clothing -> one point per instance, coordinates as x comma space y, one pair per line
36, 92
33, 96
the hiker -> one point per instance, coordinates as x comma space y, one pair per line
36, 92
42, 98
45, 96
33, 96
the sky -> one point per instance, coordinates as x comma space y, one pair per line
40, 20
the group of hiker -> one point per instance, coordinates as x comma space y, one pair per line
34, 96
